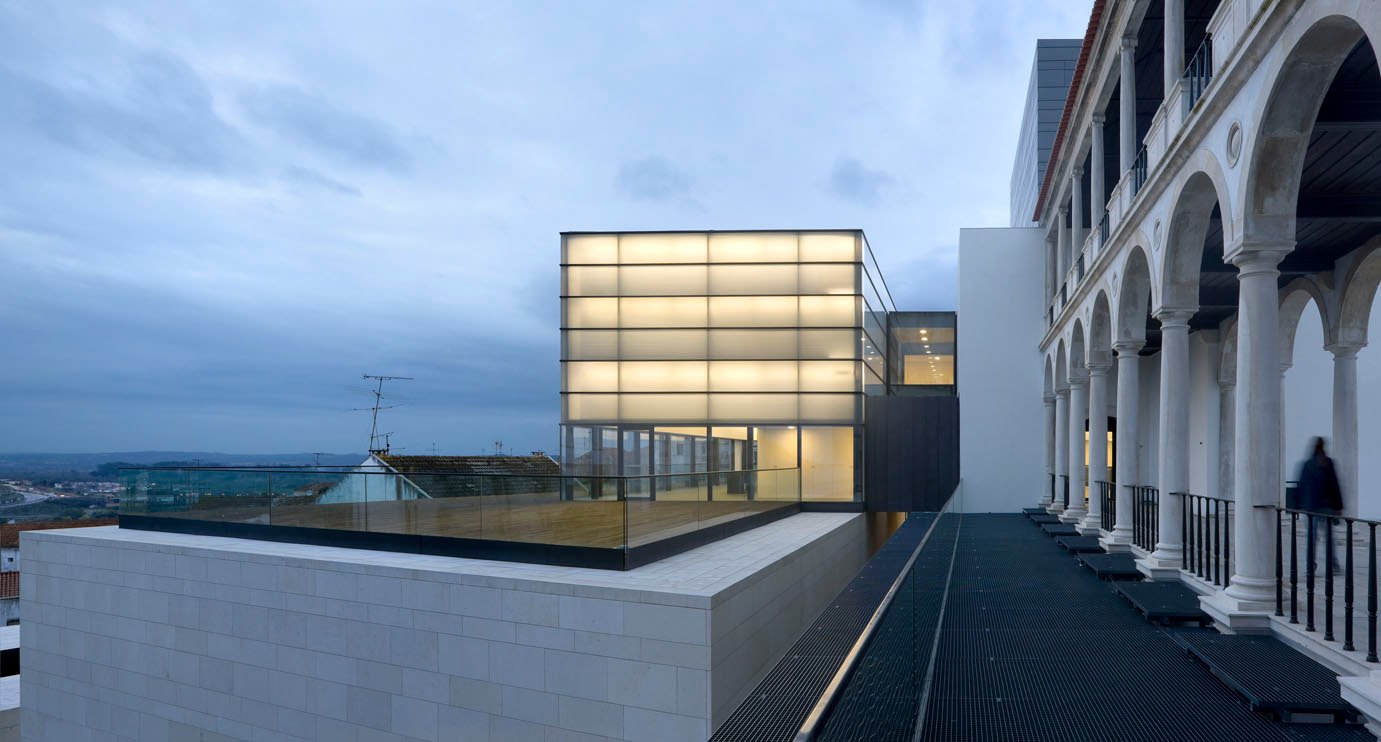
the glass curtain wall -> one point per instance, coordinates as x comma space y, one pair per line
754, 339
922, 352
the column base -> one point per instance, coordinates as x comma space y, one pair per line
1054, 509
1091, 525
1245, 607
1157, 568
1364, 693
1120, 540
1072, 515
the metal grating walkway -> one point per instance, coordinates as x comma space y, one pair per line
1035, 647
776, 708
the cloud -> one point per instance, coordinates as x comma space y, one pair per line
652, 179
851, 180
309, 177
158, 110
310, 120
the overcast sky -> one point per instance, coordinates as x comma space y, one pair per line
215, 216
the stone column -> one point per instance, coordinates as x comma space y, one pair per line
1227, 420
1063, 238
1165, 562
1078, 413
1052, 258
1128, 399
1127, 144
1344, 443
1249, 601
1061, 446
1076, 227
1048, 492
1097, 443
1174, 43
1098, 193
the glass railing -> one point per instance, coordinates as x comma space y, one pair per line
375, 508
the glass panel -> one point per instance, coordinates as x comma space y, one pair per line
754, 247
592, 407
590, 345
827, 463
829, 279
662, 280
668, 407
662, 344
829, 311
591, 376
587, 280
775, 448
753, 376
830, 407
753, 311
829, 344
752, 280
829, 376
752, 407
662, 376
840, 247
591, 313
662, 312
591, 248
663, 248
755, 343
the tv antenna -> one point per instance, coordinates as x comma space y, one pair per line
378, 391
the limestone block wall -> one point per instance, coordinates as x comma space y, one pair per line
134, 635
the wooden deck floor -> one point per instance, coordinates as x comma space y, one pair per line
524, 518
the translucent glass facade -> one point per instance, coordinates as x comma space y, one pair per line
751, 331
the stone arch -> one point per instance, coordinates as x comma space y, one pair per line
1187, 232
1319, 38
1294, 298
1049, 384
1100, 328
1359, 292
1061, 366
1134, 297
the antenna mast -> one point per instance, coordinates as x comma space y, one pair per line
378, 392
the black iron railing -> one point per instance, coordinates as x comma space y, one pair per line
1064, 294
1107, 496
1064, 479
1351, 527
1079, 268
1139, 171
1199, 72
1145, 517
1052, 487
1207, 525
1103, 229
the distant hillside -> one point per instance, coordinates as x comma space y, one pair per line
69, 466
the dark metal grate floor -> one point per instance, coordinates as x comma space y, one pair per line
1080, 544
1164, 602
780, 703
1271, 675
1034, 647
1112, 566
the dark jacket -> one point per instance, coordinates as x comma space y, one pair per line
1318, 486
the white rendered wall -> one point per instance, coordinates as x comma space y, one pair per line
1001, 416
1148, 422
154, 637
1204, 353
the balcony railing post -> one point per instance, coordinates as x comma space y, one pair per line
1309, 574
1227, 543
1328, 580
1347, 591
1280, 597
1371, 592
1294, 568
1217, 518
1185, 528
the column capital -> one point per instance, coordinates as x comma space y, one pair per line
1344, 349
1173, 317
1078, 381
1099, 119
1048, 398
1077, 172
1129, 43
1098, 368
1062, 392
1226, 385
1128, 348
1285, 366
1064, 210
1258, 255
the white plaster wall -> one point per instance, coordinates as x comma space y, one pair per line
1148, 422
164, 637
1308, 393
1001, 417
1369, 420
1204, 400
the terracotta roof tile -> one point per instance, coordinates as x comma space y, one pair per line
9, 585
9, 533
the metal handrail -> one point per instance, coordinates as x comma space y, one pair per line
1199, 72
1206, 523
1139, 171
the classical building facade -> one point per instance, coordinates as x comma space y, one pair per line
1217, 170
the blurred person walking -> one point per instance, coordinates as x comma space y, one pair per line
1320, 493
